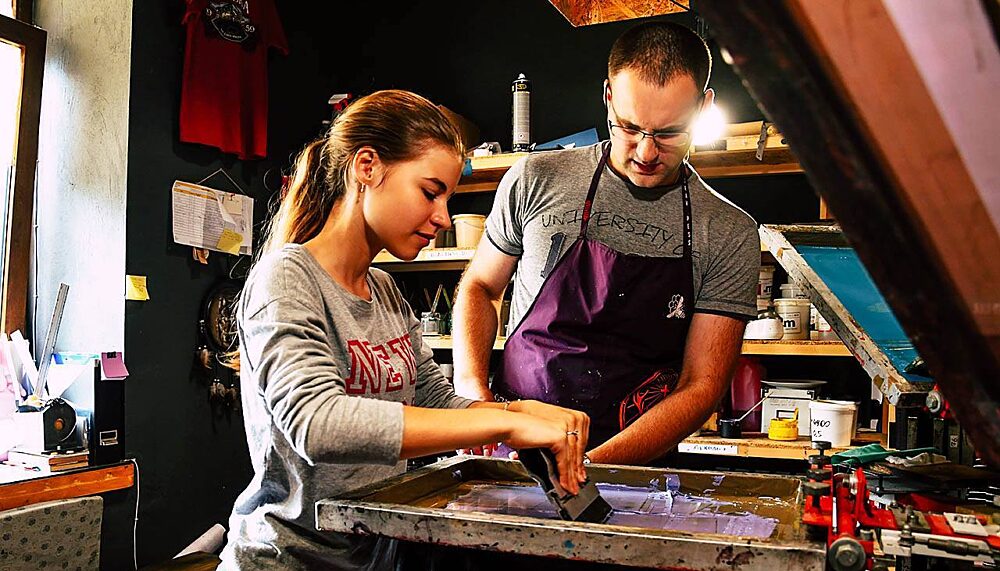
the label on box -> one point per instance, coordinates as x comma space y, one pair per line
452, 254
717, 449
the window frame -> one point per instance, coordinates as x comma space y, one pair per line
16, 251
23, 10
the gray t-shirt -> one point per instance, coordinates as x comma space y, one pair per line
324, 377
539, 204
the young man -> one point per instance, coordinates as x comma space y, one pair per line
634, 279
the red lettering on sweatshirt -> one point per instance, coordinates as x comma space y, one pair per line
404, 348
370, 364
365, 371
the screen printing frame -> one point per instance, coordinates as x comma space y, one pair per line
390, 508
781, 241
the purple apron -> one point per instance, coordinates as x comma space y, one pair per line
606, 332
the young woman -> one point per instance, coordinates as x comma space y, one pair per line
338, 387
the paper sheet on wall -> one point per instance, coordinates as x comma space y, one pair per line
207, 218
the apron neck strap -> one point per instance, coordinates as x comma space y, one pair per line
686, 198
595, 181
589, 203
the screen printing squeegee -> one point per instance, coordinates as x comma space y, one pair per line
587, 506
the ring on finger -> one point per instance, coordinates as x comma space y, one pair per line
572, 433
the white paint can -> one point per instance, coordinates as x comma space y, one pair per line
794, 313
833, 421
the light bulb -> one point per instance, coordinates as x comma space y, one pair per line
710, 126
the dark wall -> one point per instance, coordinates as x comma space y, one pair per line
465, 55
193, 460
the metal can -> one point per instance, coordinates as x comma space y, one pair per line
430, 323
521, 89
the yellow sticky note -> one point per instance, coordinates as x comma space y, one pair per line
229, 242
135, 288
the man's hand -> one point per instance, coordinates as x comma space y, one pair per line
484, 450
475, 390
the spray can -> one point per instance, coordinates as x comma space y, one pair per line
522, 113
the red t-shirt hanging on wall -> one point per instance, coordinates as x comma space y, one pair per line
224, 89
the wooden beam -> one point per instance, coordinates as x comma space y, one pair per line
587, 12
911, 139
838, 81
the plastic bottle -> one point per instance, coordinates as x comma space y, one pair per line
745, 391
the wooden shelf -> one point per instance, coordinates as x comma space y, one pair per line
718, 164
24, 487
444, 342
786, 348
487, 171
802, 348
438, 259
758, 446
427, 259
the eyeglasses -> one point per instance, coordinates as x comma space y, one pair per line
663, 139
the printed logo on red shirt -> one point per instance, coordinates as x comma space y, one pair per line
392, 362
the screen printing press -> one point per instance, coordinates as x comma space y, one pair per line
871, 510
674, 519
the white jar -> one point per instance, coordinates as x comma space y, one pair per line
794, 313
765, 281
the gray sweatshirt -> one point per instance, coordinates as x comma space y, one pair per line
324, 377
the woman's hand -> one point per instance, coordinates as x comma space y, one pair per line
565, 435
575, 421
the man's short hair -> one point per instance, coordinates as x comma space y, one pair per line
661, 51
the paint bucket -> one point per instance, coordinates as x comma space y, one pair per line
833, 421
468, 229
794, 313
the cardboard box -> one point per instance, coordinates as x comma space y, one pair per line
781, 403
